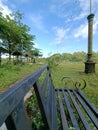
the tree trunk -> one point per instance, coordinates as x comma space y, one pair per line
34, 61
0, 59
9, 57
9, 51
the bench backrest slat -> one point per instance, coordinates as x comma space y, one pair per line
18, 119
44, 85
41, 104
46, 99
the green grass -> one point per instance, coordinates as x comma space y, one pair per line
11, 74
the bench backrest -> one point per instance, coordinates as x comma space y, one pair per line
12, 110
46, 99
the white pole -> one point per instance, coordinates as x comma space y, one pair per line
90, 6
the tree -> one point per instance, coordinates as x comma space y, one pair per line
79, 56
14, 34
35, 53
2, 50
67, 56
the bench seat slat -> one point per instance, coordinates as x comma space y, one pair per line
73, 119
95, 111
54, 111
83, 119
63, 117
92, 117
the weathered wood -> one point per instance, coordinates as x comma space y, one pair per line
54, 111
87, 110
82, 117
18, 119
62, 113
92, 107
42, 105
44, 85
71, 113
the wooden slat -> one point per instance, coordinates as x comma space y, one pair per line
18, 119
42, 106
54, 111
83, 119
10, 123
62, 113
49, 95
70, 110
44, 85
95, 111
48, 103
90, 114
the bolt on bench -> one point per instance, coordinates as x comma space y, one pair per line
64, 107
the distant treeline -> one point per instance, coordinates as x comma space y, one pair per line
75, 57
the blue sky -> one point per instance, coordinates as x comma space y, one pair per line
60, 26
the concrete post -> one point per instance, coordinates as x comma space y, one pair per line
89, 64
90, 36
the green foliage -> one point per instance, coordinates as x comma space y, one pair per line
75, 57
34, 113
54, 60
35, 53
14, 34
67, 57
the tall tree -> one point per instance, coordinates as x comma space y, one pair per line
14, 34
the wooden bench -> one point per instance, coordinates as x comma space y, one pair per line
61, 108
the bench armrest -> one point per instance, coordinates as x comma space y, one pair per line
73, 81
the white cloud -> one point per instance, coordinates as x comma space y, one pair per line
82, 31
66, 8
95, 27
58, 8
61, 35
37, 20
4, 8
35, 45
85, 8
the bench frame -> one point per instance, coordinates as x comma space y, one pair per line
15, 115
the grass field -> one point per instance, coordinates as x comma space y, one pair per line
10, 75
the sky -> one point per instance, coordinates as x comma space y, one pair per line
60, 26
